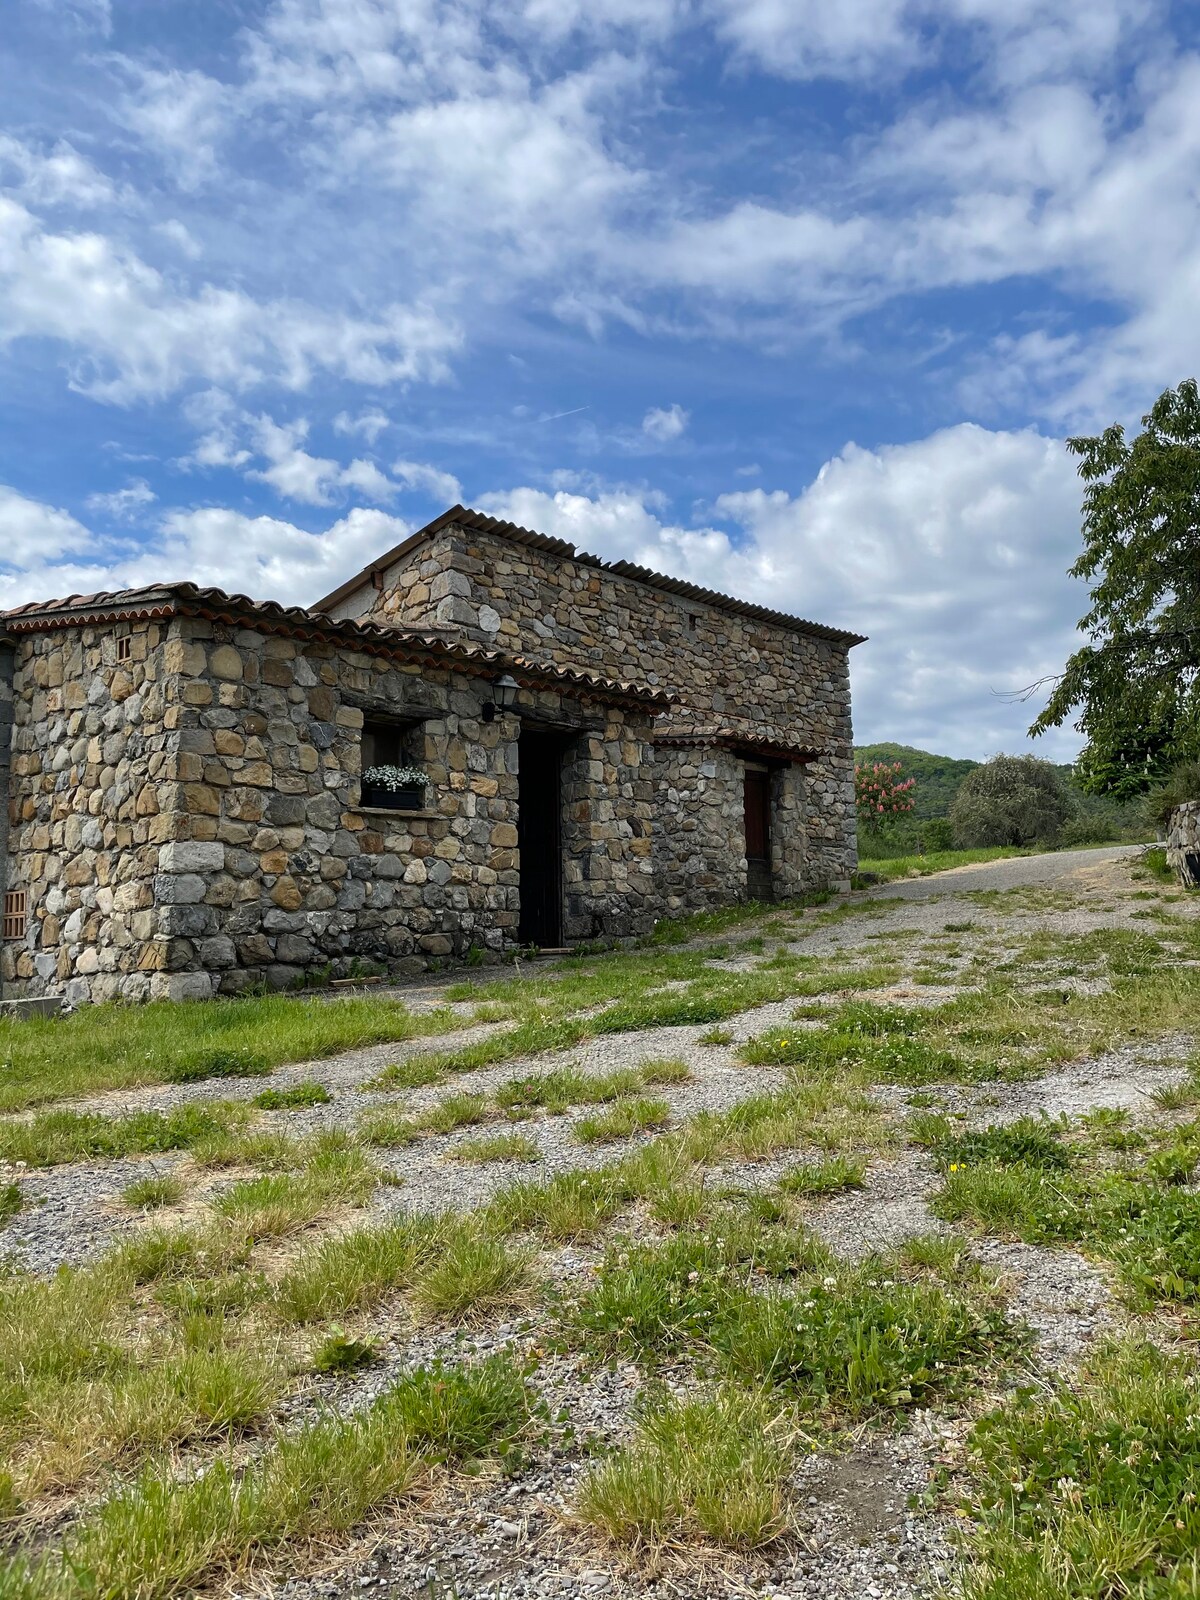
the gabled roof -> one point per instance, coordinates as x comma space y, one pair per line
479, 522
268, 616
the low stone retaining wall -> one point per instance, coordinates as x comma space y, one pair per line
1183, 843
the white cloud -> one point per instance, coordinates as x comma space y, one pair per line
126, 502
370, 424
662, 424
1013, 40
178, 235
32, 532
950, 552
137, 334
431, 481
264, 557
316, 480
59, 176
182, 116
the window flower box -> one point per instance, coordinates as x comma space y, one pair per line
394, 788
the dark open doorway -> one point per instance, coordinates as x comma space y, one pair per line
758, 834
539, 837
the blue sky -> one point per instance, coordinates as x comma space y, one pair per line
797, 300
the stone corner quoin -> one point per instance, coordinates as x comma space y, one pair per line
186, 814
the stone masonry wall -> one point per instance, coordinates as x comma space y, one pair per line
723, 664
189, 822
700, 811
1183, 842
282, 867
92, 759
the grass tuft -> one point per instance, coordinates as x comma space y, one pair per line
295, 1098
496, 1147
151, 1193
627, 1117
711, 1467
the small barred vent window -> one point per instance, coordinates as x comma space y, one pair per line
14, 914
125, 648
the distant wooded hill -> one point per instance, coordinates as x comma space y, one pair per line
938, 777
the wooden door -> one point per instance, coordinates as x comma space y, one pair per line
539, 838
758, 834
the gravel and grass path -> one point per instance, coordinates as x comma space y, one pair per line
805, 1252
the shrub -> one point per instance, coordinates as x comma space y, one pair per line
1010, 800
1182, 785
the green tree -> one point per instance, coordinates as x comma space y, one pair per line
1134, 689
1010, 800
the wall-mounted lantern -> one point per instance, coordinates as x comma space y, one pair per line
504, 696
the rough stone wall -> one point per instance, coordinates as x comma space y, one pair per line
1183, 843
189, 822
284, 869
700, 818
92, 759
700, 837
723, 664
608, 829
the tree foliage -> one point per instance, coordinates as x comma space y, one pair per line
1134, 689
1011, 800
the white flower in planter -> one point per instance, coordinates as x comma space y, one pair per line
395, 778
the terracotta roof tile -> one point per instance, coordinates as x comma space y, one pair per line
167, 599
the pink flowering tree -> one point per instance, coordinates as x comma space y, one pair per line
882, 794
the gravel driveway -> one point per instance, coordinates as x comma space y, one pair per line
513, 1538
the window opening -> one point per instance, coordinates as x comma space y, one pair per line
14, 914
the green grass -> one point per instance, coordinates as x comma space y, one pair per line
338, 1352
570, 1206
51, 1138
1155, 863
153, 1192
710, 1468
893, 867
1089, 1490
455, 1111
1144, 1216
166, 1533
841, 1341
118, 1047
296, 1098
560, 1008
10, 1201
353, 1272
816, 1178
496, 1147
626, 1117
474, 1276
280, 1203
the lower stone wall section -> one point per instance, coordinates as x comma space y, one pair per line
1183, 843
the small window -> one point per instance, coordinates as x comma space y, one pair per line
693, 621
400, 786
125, 648
14, 914
382, 745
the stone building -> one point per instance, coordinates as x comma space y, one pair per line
600, 746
